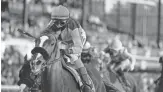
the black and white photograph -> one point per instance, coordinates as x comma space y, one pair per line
81, 45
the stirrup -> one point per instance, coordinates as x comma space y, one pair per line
86, 88
89, 84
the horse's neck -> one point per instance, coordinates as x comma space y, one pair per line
93, 68
56, 54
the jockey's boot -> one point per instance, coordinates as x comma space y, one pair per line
123, 78
87, 84
125, 81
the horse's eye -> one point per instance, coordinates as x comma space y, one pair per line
38, 62
32, 63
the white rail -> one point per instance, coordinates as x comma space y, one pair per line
9, 87
156, 59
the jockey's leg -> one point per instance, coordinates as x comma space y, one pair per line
84, 75
82, 72
123, 77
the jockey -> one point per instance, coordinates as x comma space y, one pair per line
85, 55
72, 37
121, 59
90, 52
90, 55
160, 79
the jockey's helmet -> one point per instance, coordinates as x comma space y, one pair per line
59, 17
87, 45
60, 12
116, 45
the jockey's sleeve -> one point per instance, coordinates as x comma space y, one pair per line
130, 57
78, 37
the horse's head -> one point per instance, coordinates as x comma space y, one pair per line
46, 49
25, 67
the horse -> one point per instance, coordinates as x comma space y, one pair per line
54, 76
159, 85
92, 66
24, 76
110, 80
159, 81
27, 80
115, 83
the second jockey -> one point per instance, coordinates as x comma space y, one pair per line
121, 59
72, 37
119, 55
85, 55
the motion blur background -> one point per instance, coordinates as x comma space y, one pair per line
138, 23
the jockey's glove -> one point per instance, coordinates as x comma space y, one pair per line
66, 51
63, 51
132, 66
62, 45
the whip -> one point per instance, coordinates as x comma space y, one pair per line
26, 33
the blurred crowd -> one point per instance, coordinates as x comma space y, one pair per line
10, 65
13, 51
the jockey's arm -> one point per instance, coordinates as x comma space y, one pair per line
78, 39
131, 58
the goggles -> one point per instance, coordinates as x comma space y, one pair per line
57, 22
113, 52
